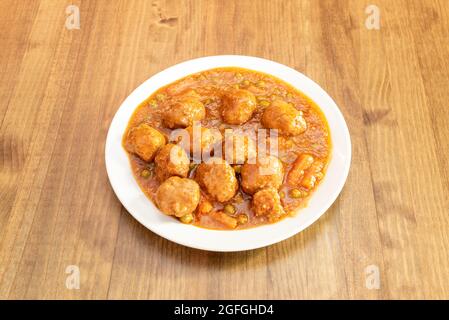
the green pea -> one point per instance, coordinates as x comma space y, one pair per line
187, 218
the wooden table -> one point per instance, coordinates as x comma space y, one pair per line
59, 89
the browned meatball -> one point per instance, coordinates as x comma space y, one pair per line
201, 138
183, 112
267, 202
218, 179
171, 160
144, 141
238, 148
284, 117
266, 172
178, 196
238, 106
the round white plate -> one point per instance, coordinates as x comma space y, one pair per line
142, 209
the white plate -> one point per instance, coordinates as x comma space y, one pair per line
142, 209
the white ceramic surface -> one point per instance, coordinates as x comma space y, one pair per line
142, 209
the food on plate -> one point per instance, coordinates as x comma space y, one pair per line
217, 178
238, 105
178, 196
266, 172
284, 117
198, 139
144, 141
228, 148
301, 164
267, 202
183, 111
238, 149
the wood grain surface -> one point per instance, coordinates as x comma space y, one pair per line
60, 88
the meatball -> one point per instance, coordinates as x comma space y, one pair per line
284, 117
171, 160
217, 177
266, 172
238, 148
144, 141
200, 138
183, 111
238, 106
178, 196
267, 202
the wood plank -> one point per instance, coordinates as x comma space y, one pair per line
59, 90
